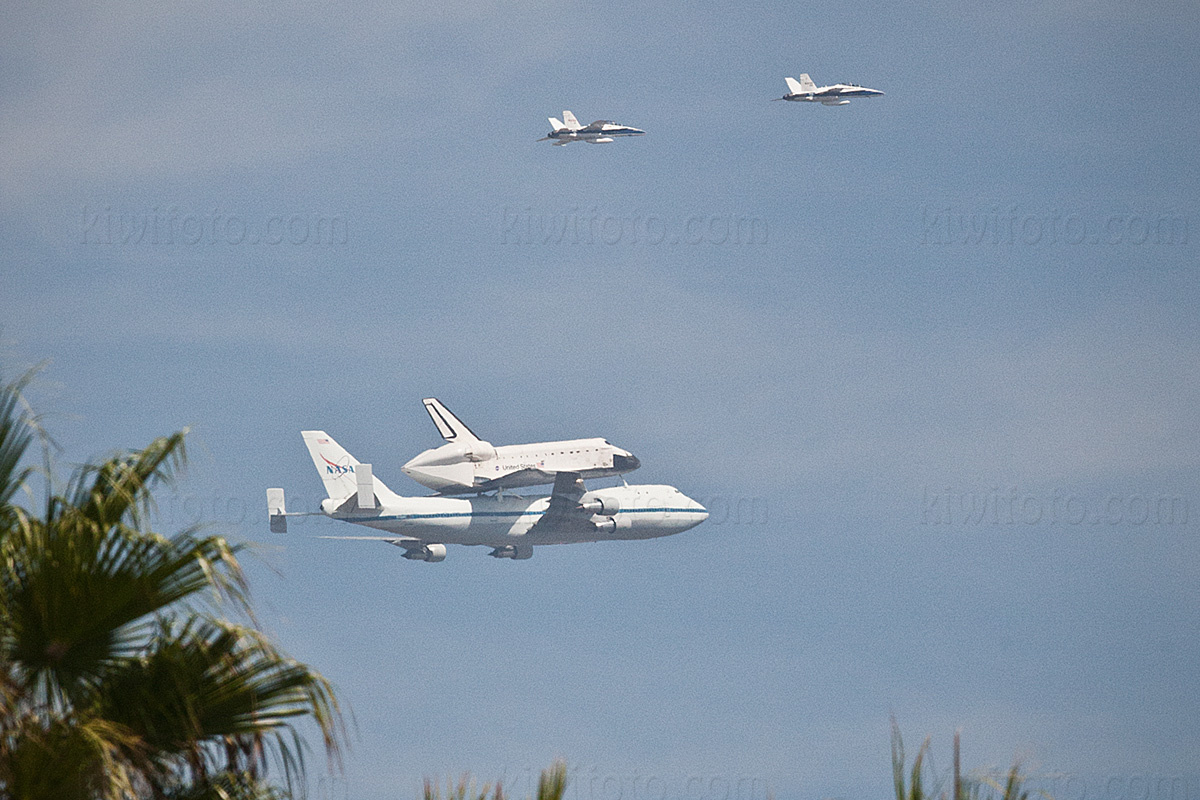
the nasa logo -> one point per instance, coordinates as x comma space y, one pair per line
336, 469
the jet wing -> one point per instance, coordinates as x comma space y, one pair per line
401, 541
407, 542
564, 512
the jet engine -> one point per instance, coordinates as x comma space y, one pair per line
432, 553
599, 504
515, 552
605, 525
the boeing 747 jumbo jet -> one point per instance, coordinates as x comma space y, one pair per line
599, 132
510, 524
469, 464
840, 94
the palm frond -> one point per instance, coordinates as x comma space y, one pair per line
916, 786
115, 679
217, 696
122, 486
50, 756
552, 784
227, 786
18, 426
465, 789
79, 599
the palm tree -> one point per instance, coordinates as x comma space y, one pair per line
118, 679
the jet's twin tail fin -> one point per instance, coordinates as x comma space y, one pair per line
449, 426
806, 83
570, 120
794, 86
556, 124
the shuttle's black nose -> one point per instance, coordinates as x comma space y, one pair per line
626, 463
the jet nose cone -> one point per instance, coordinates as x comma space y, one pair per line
696, 513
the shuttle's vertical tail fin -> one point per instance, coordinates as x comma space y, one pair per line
572, 123
449, 426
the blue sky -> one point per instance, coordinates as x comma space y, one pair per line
950, 380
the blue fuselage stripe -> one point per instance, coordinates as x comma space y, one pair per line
509, 514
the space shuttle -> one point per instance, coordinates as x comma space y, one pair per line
467, 464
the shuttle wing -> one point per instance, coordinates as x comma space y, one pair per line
513, 480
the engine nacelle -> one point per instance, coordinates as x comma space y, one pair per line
513, 551
432, 553
599, 504
605, 525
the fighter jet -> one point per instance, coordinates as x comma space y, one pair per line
510, 524
805, 91
469, 464
599, 132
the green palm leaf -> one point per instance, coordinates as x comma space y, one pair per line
116, 679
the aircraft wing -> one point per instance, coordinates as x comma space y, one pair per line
513, 480
402, 541
564, 512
